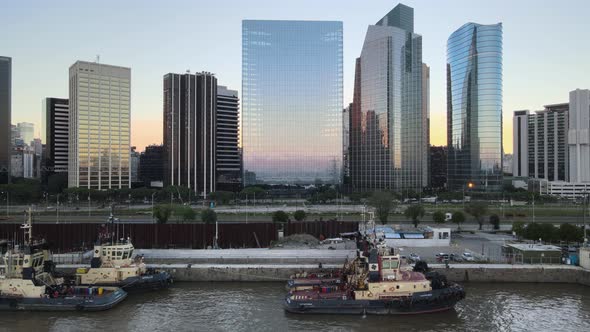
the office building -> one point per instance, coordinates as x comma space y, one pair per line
520, 146
346, 144
292, 101
151, 165
26, 131
474, 108
228, 156
5, 118
579, 136
438, 167
426, 124
190, 122
56, 117
23, 162
100, 108
134, 164
389, 127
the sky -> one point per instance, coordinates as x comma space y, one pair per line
546, 48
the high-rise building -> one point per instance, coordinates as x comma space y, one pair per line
438, 167
26, 131
151, 165
520, 147
5, 118
579, 136
23, 162
426, 124
474, 108
190, 122
540, 143
134, 164
389, 127
99, 126
229, 158
292, 101
346, 144
56, 117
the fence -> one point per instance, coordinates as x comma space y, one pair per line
81, 236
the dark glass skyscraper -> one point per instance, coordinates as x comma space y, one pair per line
229, 158
292, 101
474, 107
5, 117
190, 122
55, 125
389, 121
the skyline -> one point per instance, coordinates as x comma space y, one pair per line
538, 68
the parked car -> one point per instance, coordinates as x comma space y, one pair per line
414, 257
440, 257
456, 258
467, 256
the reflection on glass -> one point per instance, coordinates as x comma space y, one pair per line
292, 101
474, 115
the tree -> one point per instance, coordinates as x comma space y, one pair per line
223, 197
477, 210
438, 217
458, 218
162, 213
571, 233
208, 216
185, 212
383, 203
518, 228
415, 212
495, 221
280, 217
299, 215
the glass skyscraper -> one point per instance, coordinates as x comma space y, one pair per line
474, 107
292, 101
389, 118
100, 109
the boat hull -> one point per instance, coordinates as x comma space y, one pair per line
153, 281
71, 303
418, 303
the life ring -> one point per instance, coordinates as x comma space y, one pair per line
391, 289
104, 276
370, 294
13, 289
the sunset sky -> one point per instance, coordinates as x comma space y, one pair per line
546, 49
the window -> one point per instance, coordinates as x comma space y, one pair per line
386, 264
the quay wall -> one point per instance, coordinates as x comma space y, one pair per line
461, 273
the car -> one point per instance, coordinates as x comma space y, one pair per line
442, 257
414, 257
455, 258
467, 256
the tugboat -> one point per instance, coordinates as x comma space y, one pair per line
28, 283
113, 264
375, 282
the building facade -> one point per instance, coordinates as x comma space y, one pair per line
228, 156
346, 144
5, 118
292, 101
134, 164
389, 121
151, 165
26, 131
438, 167
474, 108
190, 122
579, 136
56, 117
426, 124
99, 124
520, 146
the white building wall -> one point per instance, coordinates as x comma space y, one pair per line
579, 136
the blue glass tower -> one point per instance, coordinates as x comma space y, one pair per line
474, 107
292, 101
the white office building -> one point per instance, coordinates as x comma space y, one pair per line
579, 136
99, 123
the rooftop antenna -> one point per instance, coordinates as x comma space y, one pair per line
97, 58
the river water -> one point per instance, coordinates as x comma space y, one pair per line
258, 307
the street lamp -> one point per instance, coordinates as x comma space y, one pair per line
89, 204
153, 206
7, 202
57, 210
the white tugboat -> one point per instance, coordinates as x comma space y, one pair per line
27, 283
113, 264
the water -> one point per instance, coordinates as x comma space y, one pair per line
258, 307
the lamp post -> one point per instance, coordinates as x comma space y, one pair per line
153, 206
57, 210
7, 202
88, 204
